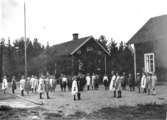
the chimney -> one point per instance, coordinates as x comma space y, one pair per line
75, 36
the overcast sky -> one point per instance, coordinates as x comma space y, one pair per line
56, 20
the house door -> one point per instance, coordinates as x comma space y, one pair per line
149, 62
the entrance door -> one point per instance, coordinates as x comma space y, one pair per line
149, 62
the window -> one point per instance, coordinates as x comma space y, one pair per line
149, 62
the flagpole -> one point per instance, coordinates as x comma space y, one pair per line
25, 42
134, 63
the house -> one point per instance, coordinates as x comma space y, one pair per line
84, 55
150, 44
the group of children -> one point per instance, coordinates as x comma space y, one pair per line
33, 84
115, 82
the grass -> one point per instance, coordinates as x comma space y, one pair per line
140, 112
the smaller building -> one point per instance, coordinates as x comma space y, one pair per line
84, 55
151, 47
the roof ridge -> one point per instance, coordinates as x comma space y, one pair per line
158, 16
70, 41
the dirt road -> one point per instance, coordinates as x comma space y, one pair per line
62, 104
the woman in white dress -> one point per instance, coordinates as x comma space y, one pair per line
154, 81
32, 81
4, 84
112, 84
88, 81
22, 85
93, 80
74, 87
41, 86
143, 82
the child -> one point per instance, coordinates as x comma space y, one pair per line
131, 82
4, 84
41, 86
112, 83
47, 87
22, 85
27, 85
138, 81
13, 84
154, 80
88, 81
143, 82
105, 81
74, 87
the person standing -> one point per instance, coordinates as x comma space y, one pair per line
60, 82
96, 82
64, 82
47, 87
138, 81
79, 79
154, 81
41, 86
14, 86
131, 82
35, 83
32, 81
74, 87
105, 81
93, 81
69, 83
124, 81
112, 83
22, 85
28, 85
88, 81
119, 85
149, 83
52, 83
4, 84
143, 82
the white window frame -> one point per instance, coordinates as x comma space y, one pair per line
147, 62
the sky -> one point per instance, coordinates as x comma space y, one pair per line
56, 20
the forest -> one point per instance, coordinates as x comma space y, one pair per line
41, 59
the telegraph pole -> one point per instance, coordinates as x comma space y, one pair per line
25, 42
135, 70
1, 59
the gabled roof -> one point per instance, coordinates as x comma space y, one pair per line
154, 29
70, 47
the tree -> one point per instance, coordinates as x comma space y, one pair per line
103, 41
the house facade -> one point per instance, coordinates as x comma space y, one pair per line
150, 44
84, 55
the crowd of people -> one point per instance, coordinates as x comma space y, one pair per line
115, 82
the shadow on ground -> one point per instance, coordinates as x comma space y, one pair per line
140, 112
